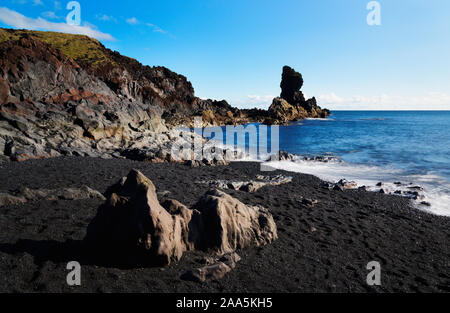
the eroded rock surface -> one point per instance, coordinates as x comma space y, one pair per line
216, 268
292, 105
25, 195
249, 186
228, 224
133, 221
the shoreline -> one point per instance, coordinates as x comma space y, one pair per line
323, 248
426, 196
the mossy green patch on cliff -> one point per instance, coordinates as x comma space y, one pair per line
78, 47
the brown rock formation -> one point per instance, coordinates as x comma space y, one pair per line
284, 112
230, 225
133, 221
216, 269
292, 106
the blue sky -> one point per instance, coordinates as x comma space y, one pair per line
235, 50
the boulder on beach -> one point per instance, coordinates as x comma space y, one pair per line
132, 218
132, 221
215, 269
228, 224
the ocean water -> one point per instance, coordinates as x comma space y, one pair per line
417, 142
411, 147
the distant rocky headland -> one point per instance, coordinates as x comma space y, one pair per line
63, 94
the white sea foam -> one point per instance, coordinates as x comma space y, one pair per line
436, 189
319, 119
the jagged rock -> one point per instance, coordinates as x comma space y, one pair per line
285, 156
25, 195
193, 163
322, 158
416, 188
327, 185
309, 202
284, 112
249, 186
252, 186
296, 105
8, 199
2, 146
84, 192
208, 272
291, 83
206, 162
132, 218
133, 222
347, 184
415, 195
341, 185
229, 224
215, 268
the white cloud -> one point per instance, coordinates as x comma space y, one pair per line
156, 28
106, 18
132, 21
429, 101
33, 2
254, 101
17, 20
91, 26
50, 15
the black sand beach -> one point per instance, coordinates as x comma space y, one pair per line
321, 249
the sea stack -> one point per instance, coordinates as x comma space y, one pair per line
292, 105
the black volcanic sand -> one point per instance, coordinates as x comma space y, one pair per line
320, 249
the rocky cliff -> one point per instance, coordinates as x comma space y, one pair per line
68, 94
292, 105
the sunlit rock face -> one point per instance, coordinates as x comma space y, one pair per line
133, 222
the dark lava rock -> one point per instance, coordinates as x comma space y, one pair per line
291, 83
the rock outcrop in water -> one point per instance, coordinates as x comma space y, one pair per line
292, 105
63, 94
133, 222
